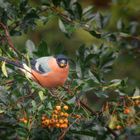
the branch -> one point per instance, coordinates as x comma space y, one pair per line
89, 109
8, 37
98, 113
84, 26
62, 135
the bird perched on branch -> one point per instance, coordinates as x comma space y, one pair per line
48, 71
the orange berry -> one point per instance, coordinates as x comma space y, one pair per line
57, 125
137, 102
46, 121
52, 121
54, 116
56, 120
127, 111
61, 121
55, 111
65, 107
58, 107
77, 116
66, 120
43, 117
64, 125
66, 114
118, 127
61, 113
25, 121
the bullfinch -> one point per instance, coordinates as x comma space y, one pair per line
49, 72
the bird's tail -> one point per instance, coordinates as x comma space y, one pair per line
22, 66
14, 63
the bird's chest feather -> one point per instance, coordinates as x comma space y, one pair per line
56, 77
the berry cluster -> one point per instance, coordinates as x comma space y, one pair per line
123, 113
58, 119
24, 120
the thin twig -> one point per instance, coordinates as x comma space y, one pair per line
98, 113
62, 135
8, 37
24, 97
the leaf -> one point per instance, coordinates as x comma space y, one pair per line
95, 34
93, 77
56, 2
59, 48
88, 10
114, 84
78, 71
15, 33
23, 5
41, 95
81, 52
120, 25
42, 49
87, 133
62, 26
1, 111
77, 10
136, 92
113, 121
3, 68
89, 57
30, 47
33, 103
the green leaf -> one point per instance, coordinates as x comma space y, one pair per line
59, 49
30, 47
62, 26
87, 133
15, 33
93, 77
33, 103
77, 10
136, 92
56, 2
42, 49
41, 95
3, 68
2, 111
23, 5
95, 34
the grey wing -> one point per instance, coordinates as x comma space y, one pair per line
41, 65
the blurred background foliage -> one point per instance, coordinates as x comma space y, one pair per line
123, 16
102, 37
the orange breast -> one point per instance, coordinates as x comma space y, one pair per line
55, 78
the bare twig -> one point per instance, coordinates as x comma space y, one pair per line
24, 97
8, 37
98, 113
62, 135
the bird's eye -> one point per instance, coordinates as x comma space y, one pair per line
62, 63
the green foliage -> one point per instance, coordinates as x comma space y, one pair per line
100, 102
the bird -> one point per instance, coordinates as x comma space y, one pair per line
47, 71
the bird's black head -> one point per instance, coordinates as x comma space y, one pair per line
62, 60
